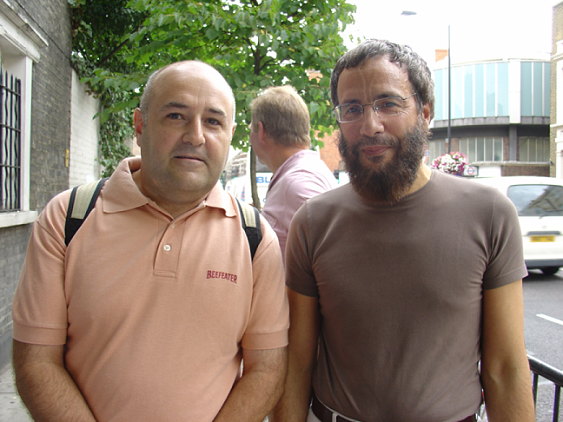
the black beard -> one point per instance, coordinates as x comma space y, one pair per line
391, 181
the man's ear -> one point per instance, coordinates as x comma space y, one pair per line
138, 124
426, 113
261, 132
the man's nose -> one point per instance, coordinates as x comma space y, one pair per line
371, 122
194, 133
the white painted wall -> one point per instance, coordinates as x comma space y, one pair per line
84, 135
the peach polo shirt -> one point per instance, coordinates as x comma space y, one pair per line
153, 310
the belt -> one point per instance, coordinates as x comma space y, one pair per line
324, 414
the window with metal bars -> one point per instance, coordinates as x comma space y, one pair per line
10, 142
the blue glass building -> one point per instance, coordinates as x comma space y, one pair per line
500, 114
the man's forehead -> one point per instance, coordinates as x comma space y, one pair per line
376, 75
210, 106
379, 66
185, 89
195, 71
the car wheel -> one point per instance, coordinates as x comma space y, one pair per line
549, 270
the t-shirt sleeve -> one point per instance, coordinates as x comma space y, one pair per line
506, 259
269, 316
39, 307
298, 259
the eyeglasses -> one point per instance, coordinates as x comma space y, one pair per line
388, 106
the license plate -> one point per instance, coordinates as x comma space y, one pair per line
546, 238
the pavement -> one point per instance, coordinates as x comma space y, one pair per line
11, 406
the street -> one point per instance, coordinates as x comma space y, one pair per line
543, 313
543, 319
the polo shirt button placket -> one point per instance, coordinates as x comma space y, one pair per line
168, 252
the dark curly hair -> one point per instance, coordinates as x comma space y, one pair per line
419, 74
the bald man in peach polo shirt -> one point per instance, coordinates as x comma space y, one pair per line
149, 311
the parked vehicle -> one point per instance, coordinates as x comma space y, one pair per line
539, 201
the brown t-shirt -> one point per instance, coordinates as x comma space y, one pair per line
400, 291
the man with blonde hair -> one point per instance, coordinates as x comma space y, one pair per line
279, 134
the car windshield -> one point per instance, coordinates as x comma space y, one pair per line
537, 200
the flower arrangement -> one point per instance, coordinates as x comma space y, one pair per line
452, 163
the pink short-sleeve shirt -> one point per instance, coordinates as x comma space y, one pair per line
153, 311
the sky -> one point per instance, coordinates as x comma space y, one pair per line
479, 29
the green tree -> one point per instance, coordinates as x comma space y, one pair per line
100, 37
253, 43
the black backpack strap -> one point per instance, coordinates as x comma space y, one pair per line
82, 201
250, 218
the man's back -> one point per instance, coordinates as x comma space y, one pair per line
301, 177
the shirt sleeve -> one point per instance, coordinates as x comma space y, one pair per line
298, 258
506, 258
39, 307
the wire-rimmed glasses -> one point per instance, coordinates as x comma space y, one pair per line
387, 106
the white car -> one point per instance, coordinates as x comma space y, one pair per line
539, 201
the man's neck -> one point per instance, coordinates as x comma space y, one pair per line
174, 208
281, 154
422, 177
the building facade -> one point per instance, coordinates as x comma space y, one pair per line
498, 115
43, 106
556, 132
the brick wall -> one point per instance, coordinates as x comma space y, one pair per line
51, 95
12, 249
50, 136
330, 154
525, 170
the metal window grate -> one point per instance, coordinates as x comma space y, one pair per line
10, 142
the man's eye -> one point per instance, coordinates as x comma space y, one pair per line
354, 109
174, 116
214, 122
388, 106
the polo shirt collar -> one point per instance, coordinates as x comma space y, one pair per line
121, 193
218, 198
